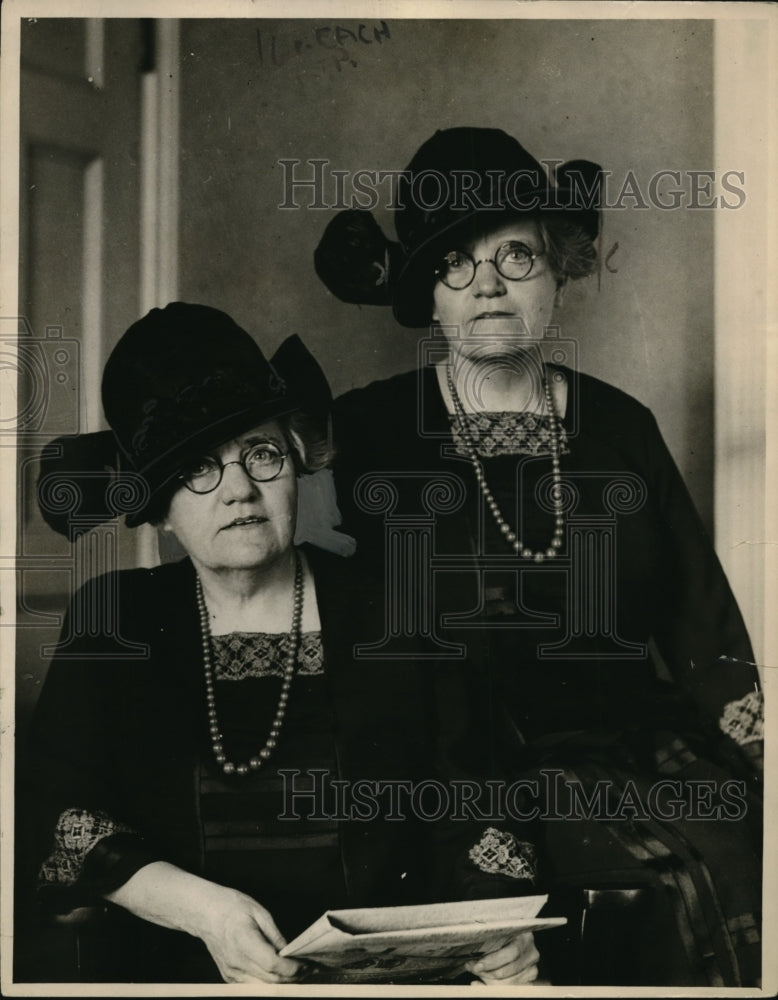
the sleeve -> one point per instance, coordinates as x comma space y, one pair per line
700, 631
742, 721
492, 861
88, 846
92, 854
483, 848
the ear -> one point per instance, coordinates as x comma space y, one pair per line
559, 295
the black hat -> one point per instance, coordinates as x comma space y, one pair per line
181, 381
457, 175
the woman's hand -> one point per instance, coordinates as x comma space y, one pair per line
516, 963
240, 935
244, 942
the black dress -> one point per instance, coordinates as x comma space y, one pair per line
124, 772
621, 663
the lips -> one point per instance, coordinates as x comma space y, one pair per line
499, 323
242, 522
495, 315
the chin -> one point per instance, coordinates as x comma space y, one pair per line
492, 336
478, 349
249, 557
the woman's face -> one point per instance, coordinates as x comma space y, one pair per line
495, 314
242, 524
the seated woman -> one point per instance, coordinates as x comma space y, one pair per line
201, 719
605, 643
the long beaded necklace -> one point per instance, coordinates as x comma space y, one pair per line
256, 762
508, 533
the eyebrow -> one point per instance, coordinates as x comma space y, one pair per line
248, 442
528, 243
253, 439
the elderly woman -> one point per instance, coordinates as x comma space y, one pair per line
606, 646
198, 716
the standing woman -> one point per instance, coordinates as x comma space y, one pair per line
197, 715
604, 640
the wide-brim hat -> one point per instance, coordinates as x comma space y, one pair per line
458, 176
180, 382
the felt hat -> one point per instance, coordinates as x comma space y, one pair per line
181, 381
457, 176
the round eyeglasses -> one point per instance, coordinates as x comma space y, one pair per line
512, 260
262, 463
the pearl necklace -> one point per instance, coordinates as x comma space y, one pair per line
256, 762
556, 492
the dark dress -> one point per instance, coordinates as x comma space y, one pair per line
622, 663
125, 774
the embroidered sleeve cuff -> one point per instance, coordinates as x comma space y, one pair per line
500, 853
743, 720
93, 854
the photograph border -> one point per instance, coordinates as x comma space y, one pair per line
755, 309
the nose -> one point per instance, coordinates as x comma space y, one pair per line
236, 484
487, 280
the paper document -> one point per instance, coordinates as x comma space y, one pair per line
402, 941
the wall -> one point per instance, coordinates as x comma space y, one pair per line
633, 96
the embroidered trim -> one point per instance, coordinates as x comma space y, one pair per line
499, 853
743, 720
76, 833
239, 655
498, 433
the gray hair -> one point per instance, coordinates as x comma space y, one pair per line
571, 253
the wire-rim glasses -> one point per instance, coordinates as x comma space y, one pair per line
262, 463
513, 261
